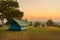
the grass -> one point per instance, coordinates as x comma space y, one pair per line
31, 33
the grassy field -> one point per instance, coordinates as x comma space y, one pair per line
31, 33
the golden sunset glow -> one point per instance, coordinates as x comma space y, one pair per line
40, 9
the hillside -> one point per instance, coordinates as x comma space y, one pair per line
31, 33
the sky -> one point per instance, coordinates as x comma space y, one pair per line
40, 10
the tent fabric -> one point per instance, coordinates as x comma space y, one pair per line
14, 25
21, 22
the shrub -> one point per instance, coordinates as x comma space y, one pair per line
36, 24
50, 23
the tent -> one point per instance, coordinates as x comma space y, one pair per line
15, 24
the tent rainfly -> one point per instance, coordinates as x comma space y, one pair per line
15, 24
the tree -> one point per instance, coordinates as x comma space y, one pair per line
6, 5
50, 23
9, 9
37, 24
13, 13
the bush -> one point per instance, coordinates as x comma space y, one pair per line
43, 25
36, 24
50, 23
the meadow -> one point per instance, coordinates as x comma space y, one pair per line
31, 33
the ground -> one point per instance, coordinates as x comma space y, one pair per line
31, 33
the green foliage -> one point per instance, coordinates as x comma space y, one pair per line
5, 5
26, 21
37, 24
50, 23
43, 25
11, 13
9, 9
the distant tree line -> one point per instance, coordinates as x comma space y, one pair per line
49, 22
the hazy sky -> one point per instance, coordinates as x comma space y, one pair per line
40, 9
